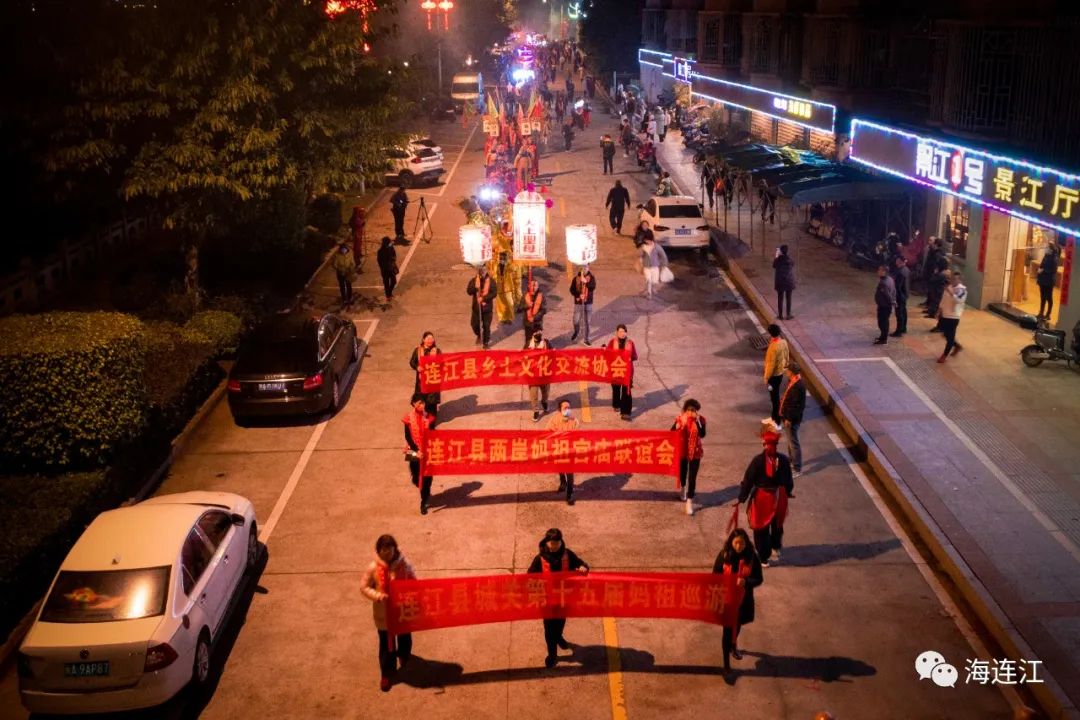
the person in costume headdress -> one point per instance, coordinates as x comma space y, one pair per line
766, 487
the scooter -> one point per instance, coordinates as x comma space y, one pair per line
1049, 344
862, 252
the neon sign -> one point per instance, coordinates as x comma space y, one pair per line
807, 113
652, 58
684, 69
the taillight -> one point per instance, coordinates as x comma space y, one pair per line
702, 227
159, 657
416, 161
22, 662
313, 382
661, 228
234, 386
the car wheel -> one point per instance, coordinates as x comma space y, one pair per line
252, 547
200, 671
406, 179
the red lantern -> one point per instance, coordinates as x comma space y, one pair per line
429, 6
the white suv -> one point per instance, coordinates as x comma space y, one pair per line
412, 165
676, 221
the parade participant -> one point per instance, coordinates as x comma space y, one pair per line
482, 289
535, 309
389, 565
555, 557
564, 422
621, 400
538, 394
691, 427
344, 268
357, 223
386, 257
777, 357
426, 347
399, 201
792, 407
582, 288
766, 487
739, 558
417, 423
618, 198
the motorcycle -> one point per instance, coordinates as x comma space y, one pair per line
1049, 344
862, 252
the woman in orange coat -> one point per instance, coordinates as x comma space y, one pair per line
389, 565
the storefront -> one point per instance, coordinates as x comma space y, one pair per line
664, 74
998, 216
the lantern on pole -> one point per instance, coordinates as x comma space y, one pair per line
429, 6
581, 244
446, 6
475, 243
530, 226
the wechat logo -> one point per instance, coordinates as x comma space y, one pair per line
931, 665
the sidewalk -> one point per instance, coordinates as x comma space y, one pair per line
984, 447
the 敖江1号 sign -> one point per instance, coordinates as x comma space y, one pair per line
1031, 192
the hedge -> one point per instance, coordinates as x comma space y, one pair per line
173, 354
220, 327
72, 388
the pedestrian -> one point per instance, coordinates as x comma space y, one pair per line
783, 281
586, 115
621, 399
568, 132
939, 281
766, 487
708, 179
389, 565
642, 233
482, 290
885, 299
664, 124
691, 428
583, 288
952, 308
618, 198
653, 260
650, 129
666, 186
535, 309
357, 223
344, 268
569, 91
901, 276
426, 347
555, 557
607, 153
417, 423
777, 357
792, 407
388, 268
399, 201
538, 394
767, 201
929, 265
627, 137
1046, 278
739, 558
564, 422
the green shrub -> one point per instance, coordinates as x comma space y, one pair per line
173, 354
72, 389
249, 310
222, 328
324, 213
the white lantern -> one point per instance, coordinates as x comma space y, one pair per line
530, 226
581, 244
475, 243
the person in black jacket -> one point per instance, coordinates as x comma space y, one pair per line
766, 487
617, 199
417, 424
902, 280
936, 290
582, 287
399, 201
607, 153
1046, 278
427, 346
783, 280
792, 407
885, 299
387, 259
739, 558
554, 557
482, 289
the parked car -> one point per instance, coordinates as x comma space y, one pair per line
438, 109
132, 615
412, 166
294, 364
676, 221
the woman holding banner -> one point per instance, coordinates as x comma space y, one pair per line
691, 426
555, 557
426, 347
389, 565
739, 558
417, 423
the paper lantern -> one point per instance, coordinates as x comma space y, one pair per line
475, 243
530, 226
581, 244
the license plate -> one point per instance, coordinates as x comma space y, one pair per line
87, 669
682, 231
272, 387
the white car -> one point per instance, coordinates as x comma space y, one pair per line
676, 221
410, 166
419, 142
133, 613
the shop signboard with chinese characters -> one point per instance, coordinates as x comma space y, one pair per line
679, 68
1041, 195
807, 113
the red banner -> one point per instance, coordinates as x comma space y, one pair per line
416, 605
517, 452
522, 367
1066, 271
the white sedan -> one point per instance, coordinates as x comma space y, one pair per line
676, 221
133, 613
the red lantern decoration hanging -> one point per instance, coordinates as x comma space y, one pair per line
446, 6
429, 6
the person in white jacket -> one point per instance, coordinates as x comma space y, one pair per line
389, 565
949, 313
653, 260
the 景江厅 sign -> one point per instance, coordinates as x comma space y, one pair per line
1020, 188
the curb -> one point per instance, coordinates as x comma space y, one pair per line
1049, 693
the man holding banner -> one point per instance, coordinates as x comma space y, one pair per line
538, 394
417, 425
621, 400
555, 557
564, 422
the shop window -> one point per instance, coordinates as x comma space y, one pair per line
955, 224
710, 42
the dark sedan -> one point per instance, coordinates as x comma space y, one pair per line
294, 364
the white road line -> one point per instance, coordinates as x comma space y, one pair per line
742, 303
981, 651
461, 154
974, 449
416, 239
301, 464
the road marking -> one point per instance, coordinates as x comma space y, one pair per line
586, 410
742, 303
981, 651
973, 448
416, 239
615, 681
461, 154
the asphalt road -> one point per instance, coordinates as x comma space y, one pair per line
839, 622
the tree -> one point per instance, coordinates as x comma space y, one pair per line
611, 33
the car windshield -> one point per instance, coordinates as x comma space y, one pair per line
272, 355
426, 153
680, 211
107, 595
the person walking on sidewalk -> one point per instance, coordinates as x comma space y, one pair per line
388, 268
535, 309
607, 153
344, 268
564, 421
885, 299
482, 289
952, 308
389, 565
582, 288
621, 400
777, 357
426, 347
935, 288
618, 198
555, 557
901, 276
708, 179
1046, 279
783, 280
643, 233
627, 138
766, 486
663, 124
417, 424
653, 261
792, 407
538, 394
399, 201
739, 558
690, 425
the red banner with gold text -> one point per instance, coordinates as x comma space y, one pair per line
451, 602
522, 367
518, 452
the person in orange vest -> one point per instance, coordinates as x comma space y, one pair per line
426, 347
482, 290
691, 427
535, 309
389, 565
417, 423
738, 558
555, 557
564, 421
766, 487
358, 222
621, 400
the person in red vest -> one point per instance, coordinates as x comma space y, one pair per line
417, 423
482, 289
426, 347
357, 222
739, 558
691, 427
555, 557
621, 400
389, 565
535, 309
766, 487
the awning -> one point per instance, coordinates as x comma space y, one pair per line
837, 188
